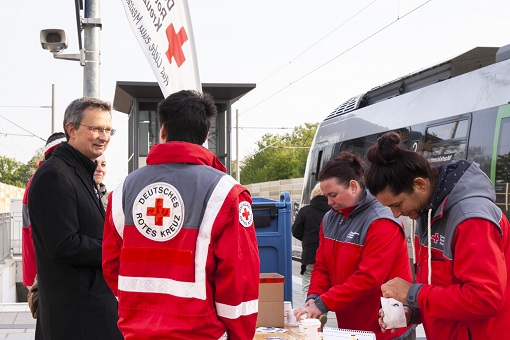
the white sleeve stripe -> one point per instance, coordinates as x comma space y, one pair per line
234, 312
117, 211
212, 209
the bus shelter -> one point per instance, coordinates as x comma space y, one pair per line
139, 100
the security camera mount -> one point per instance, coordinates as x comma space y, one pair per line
57, 53
71, 56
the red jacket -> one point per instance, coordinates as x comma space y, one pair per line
356, 256
27, 243
468, 296
180, 249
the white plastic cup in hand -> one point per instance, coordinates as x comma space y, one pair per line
301, 318
311, 328
291, 319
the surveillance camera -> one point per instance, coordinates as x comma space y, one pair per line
53, 40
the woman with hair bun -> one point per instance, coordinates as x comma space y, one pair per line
361, 246
461, 242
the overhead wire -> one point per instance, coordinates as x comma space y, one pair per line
318, 41
22, 128
335, 57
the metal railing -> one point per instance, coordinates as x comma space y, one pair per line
5, 236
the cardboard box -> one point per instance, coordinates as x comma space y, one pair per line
271, 300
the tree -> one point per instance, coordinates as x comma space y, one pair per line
12, 172
279, 156
17, 173
33, 163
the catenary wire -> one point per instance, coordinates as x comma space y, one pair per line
335, 57
22, 128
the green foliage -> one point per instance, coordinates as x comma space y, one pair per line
279, 156
233, 166
12, 172
17, 173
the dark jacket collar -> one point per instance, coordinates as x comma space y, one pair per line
75, 158
320, 202
83, 167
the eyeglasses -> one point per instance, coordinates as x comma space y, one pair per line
97, 130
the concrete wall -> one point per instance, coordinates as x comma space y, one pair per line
7, 192
272, 191
8, 281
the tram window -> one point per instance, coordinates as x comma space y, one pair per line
356, 146
503, 157
446, 142
451, 130
502, 178
318, 165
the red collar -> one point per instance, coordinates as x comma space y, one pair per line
182, 152
347, 211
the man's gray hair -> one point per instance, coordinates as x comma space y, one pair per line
75, 110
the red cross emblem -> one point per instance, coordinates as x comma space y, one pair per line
246, 214
175, 42
435, 237
158, 212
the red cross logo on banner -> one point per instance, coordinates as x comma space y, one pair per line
175, 42
435, 237
158, 212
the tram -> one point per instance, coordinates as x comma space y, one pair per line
458, 109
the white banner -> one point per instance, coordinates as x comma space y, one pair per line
163, 29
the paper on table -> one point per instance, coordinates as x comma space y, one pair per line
394, 315
270, 330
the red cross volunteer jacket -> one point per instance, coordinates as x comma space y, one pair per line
180, 250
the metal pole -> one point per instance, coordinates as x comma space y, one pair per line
91, 28
237, 146
52, 108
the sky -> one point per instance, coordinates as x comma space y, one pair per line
305, 58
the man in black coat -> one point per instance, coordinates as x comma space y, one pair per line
67, 223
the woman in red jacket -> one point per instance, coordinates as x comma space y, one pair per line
361, 246
462, 244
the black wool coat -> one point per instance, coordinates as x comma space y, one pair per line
67, 225
306, 227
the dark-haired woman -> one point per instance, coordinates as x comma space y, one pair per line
461, 242
361, 246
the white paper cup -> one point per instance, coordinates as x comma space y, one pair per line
311, 328
291, 319
301, 318
287, 311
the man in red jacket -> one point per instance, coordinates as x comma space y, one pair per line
179, 247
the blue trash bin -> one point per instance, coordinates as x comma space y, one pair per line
273, 227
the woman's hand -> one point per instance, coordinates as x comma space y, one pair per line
309, 308
382, 325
